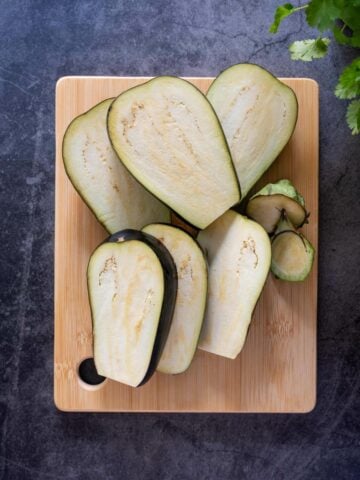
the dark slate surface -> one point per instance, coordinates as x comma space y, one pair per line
43, 40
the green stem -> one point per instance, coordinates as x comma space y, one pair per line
343, 27
300, 8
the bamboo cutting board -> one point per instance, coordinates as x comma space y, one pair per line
275, 372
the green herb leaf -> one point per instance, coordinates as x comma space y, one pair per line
352, 41
307, 50
350, 15
281, 12
353, 116
349, 81
321, 14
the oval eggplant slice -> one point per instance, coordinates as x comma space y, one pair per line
114, 196
190, 304
132, 286
266, 206
239, 255
258, 114
292, 255
169, 137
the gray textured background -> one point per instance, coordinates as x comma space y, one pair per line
43, 40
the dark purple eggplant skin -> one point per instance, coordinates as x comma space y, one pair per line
170, 290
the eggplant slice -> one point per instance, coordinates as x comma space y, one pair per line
258, 114
239, 255
266, 206
114, 196
292, 255
169, 137
132, 286
190, 304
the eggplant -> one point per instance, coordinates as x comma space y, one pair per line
168, 136
190, 304
117, 200
132, 283
265, 207
258, 114
292, 255
239, 254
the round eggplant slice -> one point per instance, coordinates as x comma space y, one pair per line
114, 196
190, 304
167, 134
258, 113
132, 284
266, 206
266, 210
292, 256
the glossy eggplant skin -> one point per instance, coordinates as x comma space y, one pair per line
170, 290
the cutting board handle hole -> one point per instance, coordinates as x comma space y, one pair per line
88, 376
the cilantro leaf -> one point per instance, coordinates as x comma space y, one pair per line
353, 116
281, 12
352, 41
321, 14
307, 50
349, 81
350, 15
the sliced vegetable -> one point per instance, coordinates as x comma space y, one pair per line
132, 285
258, 114
239, 255
115, 197
266, 206
168, 136
292, 254
190, 304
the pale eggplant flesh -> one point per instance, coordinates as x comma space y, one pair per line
117, 200
265, 207
258, 113
190, 304
168, 136
239, 255
132, 283
292, 255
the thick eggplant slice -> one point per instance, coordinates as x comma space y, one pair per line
258, 114
190, 304
114, 196
168, 136
266, 206
292, 255
239, 255
132, 286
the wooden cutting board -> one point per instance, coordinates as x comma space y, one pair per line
275, 372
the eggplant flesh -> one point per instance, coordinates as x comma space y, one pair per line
168, 136
239, 255
292, 255
114, 196
132, 286
266, 210
258, 114
190, 304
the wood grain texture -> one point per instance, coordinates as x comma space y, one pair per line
275, 372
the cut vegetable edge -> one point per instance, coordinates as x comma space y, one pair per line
239, 255
224, 85
190, 261
287, 247
114, 197
266, 210
154, 256
196, 213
